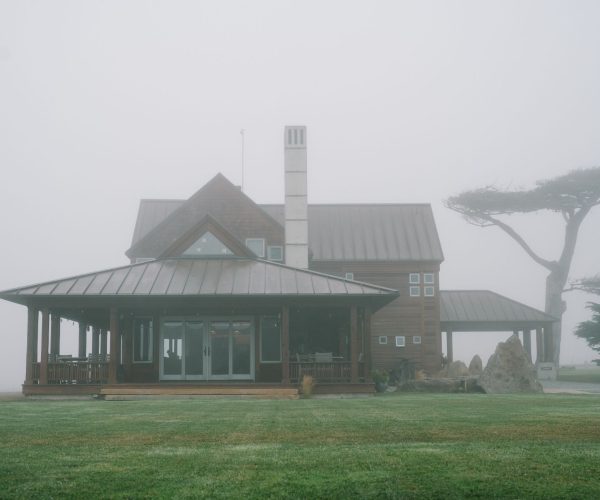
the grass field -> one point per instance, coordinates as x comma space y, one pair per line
587, 375
396, 446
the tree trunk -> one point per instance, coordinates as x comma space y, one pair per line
555, 284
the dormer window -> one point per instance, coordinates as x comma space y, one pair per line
275, 253
257, 245
208, 245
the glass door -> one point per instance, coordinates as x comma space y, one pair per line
231, 350
203, 349
219, 349
195, 350
171, 356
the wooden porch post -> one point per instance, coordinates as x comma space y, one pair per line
114, 346
45, 341
31, 356
367, 340
449, 353
548, 343
95, 340
127, 335
539, 345
285, 344
55, 334
82, 339
353, 344
527, 342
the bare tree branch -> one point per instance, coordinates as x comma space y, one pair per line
550, 265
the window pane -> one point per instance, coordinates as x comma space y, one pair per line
257, 245
219, 345
275, 253
241, 347
208, 244
270, 340
172, 348
194, 348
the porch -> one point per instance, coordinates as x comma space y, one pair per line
197, 323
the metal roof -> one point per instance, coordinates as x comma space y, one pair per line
369, 232
484, 306
200, 277
348, 232
218, 198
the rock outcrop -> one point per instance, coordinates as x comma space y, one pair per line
509, 370
476, 366
457, 369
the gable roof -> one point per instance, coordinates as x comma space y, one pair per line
474, 307
370, 232
345, 232
199, 278
218, 198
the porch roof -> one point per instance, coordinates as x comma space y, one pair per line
184, 277
484, 310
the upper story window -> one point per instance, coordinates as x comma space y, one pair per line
414, 278
428, 278
208, 245
275, 253
349, 276
257, 245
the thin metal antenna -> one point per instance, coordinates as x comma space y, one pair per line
242, 133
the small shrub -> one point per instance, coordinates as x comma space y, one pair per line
380, 376
308, 384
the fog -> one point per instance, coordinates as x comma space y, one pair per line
105, 103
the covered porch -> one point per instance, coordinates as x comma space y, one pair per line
486, 311
241, 321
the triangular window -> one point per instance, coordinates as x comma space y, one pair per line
208, 245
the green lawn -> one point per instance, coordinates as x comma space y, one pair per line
395, 446
588, 375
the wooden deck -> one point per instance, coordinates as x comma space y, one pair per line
258, 390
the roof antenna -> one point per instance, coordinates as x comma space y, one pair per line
242, 134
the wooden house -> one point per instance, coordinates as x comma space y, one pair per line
224, 294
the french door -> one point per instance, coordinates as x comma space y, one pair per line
207, 349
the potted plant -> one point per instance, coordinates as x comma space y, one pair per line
380, 377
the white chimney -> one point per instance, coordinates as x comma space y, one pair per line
296, 209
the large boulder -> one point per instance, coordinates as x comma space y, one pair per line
476, 366
457, 369
509, 370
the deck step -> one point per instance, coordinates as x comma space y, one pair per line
261, 392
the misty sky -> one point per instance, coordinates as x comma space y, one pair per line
103, 103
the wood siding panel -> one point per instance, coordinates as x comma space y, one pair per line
406, 316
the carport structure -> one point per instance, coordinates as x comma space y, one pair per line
487, 311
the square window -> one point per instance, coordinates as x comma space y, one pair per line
428, 278
417, 339
383, 339
257, 245
400, 341
275, 253
414, 278
415, 291
349, 276
429, 291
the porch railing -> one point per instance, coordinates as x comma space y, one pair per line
334, 371
74, 372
